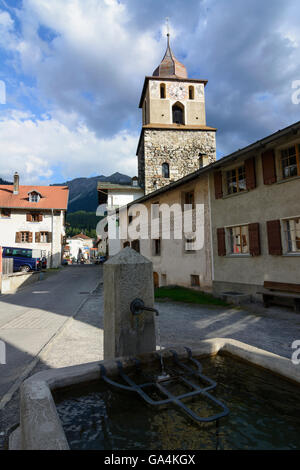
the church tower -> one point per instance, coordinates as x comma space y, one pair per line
175, 139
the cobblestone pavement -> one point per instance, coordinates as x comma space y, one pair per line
273, 329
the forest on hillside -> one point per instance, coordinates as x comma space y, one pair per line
82, 221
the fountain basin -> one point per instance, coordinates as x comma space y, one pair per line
40, 424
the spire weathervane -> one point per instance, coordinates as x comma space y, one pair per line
168, 27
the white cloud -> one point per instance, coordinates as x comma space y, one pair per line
34, 148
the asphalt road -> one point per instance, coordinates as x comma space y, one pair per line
32, 317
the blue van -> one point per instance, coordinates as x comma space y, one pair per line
23, 259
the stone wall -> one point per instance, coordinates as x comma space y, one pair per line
179, 148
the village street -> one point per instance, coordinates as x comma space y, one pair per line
66, 328
31, 318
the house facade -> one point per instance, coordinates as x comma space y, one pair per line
251, 202
34, 217
255, 211
79, 246
114, 196
172, 252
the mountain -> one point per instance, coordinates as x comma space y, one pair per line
83, 191
4, 182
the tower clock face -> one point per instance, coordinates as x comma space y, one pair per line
177, 91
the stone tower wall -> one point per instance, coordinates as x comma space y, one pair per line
179, 148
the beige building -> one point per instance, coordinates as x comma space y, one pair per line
175, 139
175, 261
251, 226
255, 211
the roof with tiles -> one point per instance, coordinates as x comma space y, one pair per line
51, 197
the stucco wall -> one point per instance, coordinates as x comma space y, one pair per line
160, 109
17, 223
175, 265
265, 202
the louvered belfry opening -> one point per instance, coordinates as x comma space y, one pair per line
178, 114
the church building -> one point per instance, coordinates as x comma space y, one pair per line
175, 140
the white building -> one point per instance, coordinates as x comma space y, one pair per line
116, 196
34, 217
80, 246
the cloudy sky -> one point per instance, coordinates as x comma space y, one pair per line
74, 70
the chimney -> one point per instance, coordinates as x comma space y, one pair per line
16, 183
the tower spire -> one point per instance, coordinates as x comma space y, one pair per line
170, 66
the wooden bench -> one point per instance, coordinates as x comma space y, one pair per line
281, 290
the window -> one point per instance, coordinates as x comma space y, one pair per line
18, 253
5, 213
135, 245
35, 217
125, 244
165, 170
292, 235
195, 280
43, 237
189, 198
290, 161
236, 180
25, 236
34, 196
178, 113
191, 93
156, 247
239, 240
190, 244
162, 91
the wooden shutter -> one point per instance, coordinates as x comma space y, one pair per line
37, 237
218, 184
18, 237
250, 173
268, 165
29, 217
30, 237
254, 239
274, 237
221, 242
49, 237
40, 217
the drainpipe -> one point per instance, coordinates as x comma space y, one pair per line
52, 237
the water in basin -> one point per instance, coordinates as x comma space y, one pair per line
264, 414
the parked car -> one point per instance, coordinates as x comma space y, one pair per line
23, 259
100, 259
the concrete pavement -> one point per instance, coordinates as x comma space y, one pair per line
33, 316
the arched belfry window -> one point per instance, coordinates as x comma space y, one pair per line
191, 93
165, 170
178, 113
162, 90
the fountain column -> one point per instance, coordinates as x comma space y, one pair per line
127, 276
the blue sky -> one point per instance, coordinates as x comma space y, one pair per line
74, 71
